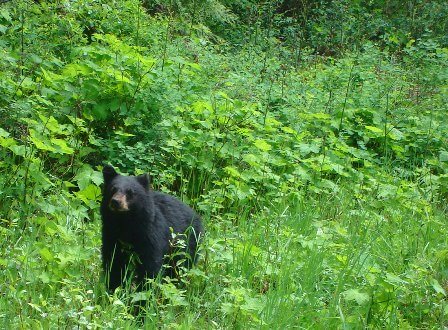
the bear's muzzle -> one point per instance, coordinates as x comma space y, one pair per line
119, 203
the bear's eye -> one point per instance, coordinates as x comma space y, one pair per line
130, 192
113, 190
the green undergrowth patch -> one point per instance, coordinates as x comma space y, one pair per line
322, 180
328, 261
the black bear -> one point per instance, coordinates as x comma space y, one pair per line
140, 222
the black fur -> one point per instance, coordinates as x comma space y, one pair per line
141, 221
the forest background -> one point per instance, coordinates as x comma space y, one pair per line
311, 136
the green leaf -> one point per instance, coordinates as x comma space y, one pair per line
3, 133
288, 130
7, 142
320, 115
232, 171
5, 14
228, 308
437, 287
355, 295
51, 124
90, 193
86, 175
394, 279
387, 191
17, 150
175, 296
39, 143
262, 145
396, 134
101, 111
306, 148
44, 277
121, 133
252, 160
63, 148
374, 129
443, 157
35, 307
136, 297
46, 254
252, 304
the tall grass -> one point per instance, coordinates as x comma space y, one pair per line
322, 181
327, 261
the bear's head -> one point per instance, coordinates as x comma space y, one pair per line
124, 193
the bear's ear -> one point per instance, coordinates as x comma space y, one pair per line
109, 173
143, 180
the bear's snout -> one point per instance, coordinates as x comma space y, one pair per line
119, 203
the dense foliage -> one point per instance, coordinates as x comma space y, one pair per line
311, 135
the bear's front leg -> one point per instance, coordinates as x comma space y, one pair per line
150, 261
114, 264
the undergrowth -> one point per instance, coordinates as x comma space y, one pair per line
321, 180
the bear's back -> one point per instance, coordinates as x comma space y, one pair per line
178, 215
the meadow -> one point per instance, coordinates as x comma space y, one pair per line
311, 138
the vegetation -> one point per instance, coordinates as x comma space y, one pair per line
311, 135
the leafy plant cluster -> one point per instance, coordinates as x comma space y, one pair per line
322, 180
326, 27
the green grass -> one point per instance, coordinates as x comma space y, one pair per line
331, 262
322, 181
